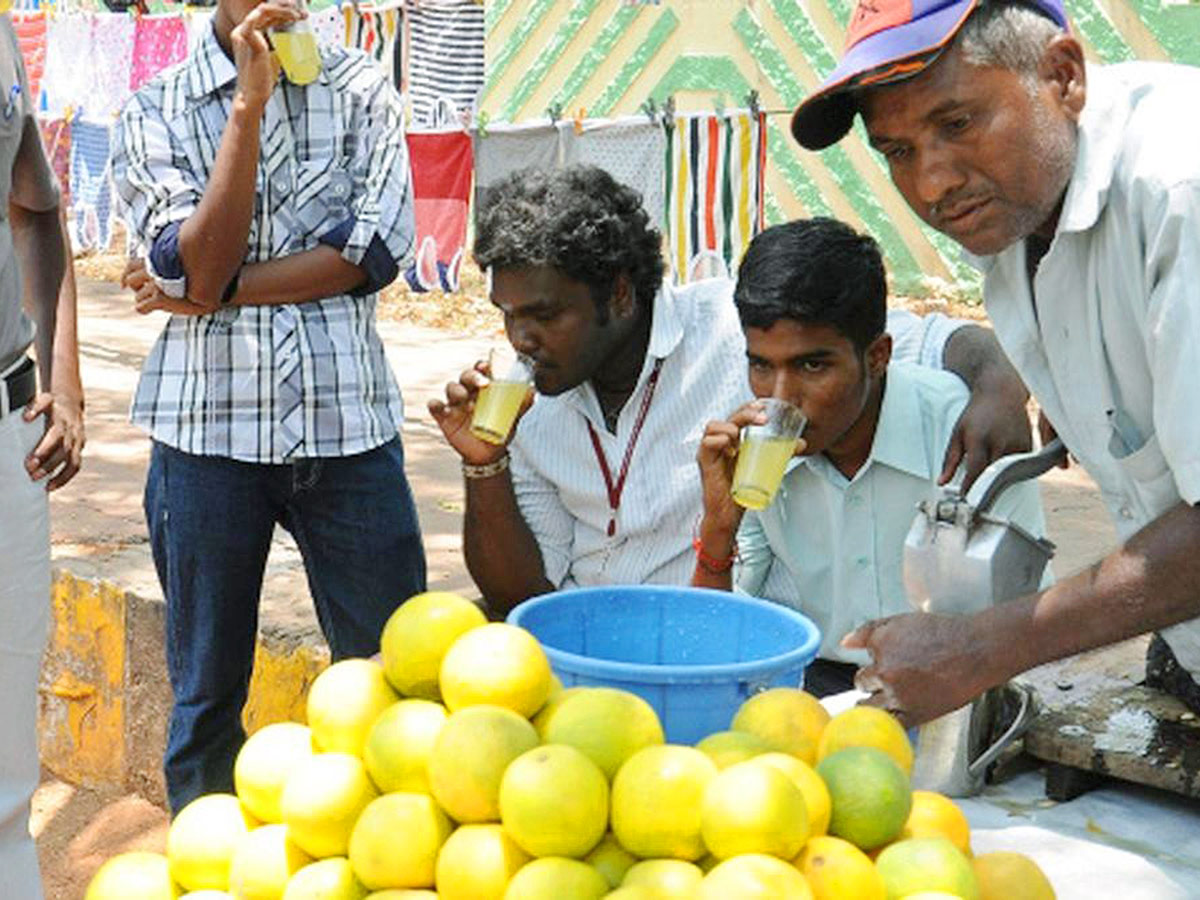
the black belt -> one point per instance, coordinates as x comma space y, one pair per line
20, 385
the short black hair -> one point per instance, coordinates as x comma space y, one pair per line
578, 220
818, 271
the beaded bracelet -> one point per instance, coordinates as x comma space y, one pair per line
710, 564
487, 470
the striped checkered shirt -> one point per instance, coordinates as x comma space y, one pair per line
267, 384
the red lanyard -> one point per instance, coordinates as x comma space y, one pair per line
615, 490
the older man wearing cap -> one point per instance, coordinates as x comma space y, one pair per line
1077, 190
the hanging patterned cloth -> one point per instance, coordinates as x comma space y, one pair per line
91, 191
445, 63
56, 137
111, 63
330, 25
441, 167
630, 149
66, 82
715, 171
158, 42
31, 36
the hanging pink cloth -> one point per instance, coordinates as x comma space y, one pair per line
56, 136
158, 42
31, 36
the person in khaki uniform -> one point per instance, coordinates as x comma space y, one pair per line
41, 438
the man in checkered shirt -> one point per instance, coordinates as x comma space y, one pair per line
270, 215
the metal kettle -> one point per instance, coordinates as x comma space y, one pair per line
960, 559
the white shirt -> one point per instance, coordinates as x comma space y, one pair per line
556, 476
1112, 352
833, 548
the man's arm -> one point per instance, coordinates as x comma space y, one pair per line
926, 665
996, 421
43, 255
501, 551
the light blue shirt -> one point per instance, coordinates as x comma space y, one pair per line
832, 548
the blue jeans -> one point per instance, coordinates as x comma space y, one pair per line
210, 521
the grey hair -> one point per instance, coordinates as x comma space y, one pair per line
1007, 35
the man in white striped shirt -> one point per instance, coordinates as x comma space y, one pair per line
271, 214
599, 484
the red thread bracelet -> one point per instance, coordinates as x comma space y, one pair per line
710, 564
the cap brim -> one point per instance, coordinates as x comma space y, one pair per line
827, 114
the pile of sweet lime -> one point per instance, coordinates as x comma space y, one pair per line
460, 768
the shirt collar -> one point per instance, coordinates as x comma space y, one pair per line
666, 332
894, 445
1101, 130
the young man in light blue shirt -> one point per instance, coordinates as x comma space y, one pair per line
812, 299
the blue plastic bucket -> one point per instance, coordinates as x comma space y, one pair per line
694, 654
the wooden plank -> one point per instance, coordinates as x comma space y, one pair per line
1095, 717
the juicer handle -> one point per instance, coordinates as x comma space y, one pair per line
1008, 470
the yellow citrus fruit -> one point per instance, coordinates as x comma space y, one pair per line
668, 878
498, 664
417, 636
263, 764
1010, 876
379, 860
469, 757
554, 801
934, 815
926, 864
326, 879
606, 724
207, 895
788, 719
133, 876
871, 796
550, 707
344, 702
753, 809
656, 799
610, 859
754, 876
837, 870
931, 895
805, 777
477, 862
728, 747
398, 745
263, 862
322, 799
202, 839
867, 726
403, 894
556, 878
634, 892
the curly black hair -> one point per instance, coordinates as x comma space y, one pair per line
578, 220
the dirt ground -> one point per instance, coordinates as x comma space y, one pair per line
78, 828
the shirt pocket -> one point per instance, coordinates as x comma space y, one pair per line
322, 196
1153, 484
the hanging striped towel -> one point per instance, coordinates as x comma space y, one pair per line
715, 171
56, 137
91, 188
31, 37
445, 64
374, 30
441, 169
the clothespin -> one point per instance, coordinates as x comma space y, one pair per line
650, 108
753, 103
554, 111
580, 115
719, 105
668, 110
481, 123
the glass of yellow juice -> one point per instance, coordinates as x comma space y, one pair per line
764, 451
295, 46
500, 400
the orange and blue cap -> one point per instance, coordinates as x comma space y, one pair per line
887, 41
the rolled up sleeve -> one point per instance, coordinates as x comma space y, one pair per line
921, 339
